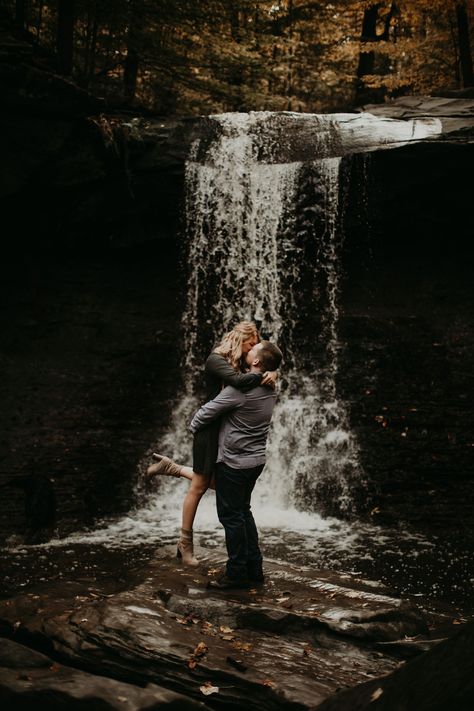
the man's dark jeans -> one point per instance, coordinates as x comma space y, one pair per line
233, 491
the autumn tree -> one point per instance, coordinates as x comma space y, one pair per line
238, 55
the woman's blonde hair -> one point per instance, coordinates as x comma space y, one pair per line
231, 345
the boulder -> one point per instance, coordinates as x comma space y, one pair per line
31, 680
440, 679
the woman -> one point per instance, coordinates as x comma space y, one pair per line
223, 367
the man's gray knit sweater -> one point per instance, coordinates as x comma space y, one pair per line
245, 424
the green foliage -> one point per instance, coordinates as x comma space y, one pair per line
189, 56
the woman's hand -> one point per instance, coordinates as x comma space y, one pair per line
269, 378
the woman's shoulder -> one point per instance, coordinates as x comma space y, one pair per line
213, 357
215, 360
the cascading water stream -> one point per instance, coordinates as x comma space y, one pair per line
262, 245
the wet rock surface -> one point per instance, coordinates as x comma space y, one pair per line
31, 680
440, 679
291, 643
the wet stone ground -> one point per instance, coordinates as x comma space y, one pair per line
136, 616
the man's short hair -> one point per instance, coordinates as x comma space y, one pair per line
269, 355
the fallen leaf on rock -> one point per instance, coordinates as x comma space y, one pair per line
227, 637
268, 682
225, 630
208, 689
208, 631
201, 649
376, 694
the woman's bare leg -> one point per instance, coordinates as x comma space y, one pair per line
198, 487
187, 473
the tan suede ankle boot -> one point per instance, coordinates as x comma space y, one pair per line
165, 466
185, 551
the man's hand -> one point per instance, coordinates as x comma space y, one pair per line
269, 378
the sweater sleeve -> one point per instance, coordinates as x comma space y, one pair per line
228, 399
219, 368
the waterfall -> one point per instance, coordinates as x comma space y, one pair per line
263, 244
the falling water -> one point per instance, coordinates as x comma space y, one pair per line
263, 244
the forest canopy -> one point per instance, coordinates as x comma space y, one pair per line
179, 57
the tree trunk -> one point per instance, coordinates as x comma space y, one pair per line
289, 73
65, 37
369, 34
465, 55
20, 14
130, 74
132, 59
90, 46
40, 21
367, 59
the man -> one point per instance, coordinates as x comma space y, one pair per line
240, 461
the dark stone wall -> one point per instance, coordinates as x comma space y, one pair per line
89, 364
407, 325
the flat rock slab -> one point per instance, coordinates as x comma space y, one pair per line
31, 680
292, 643
453, 113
